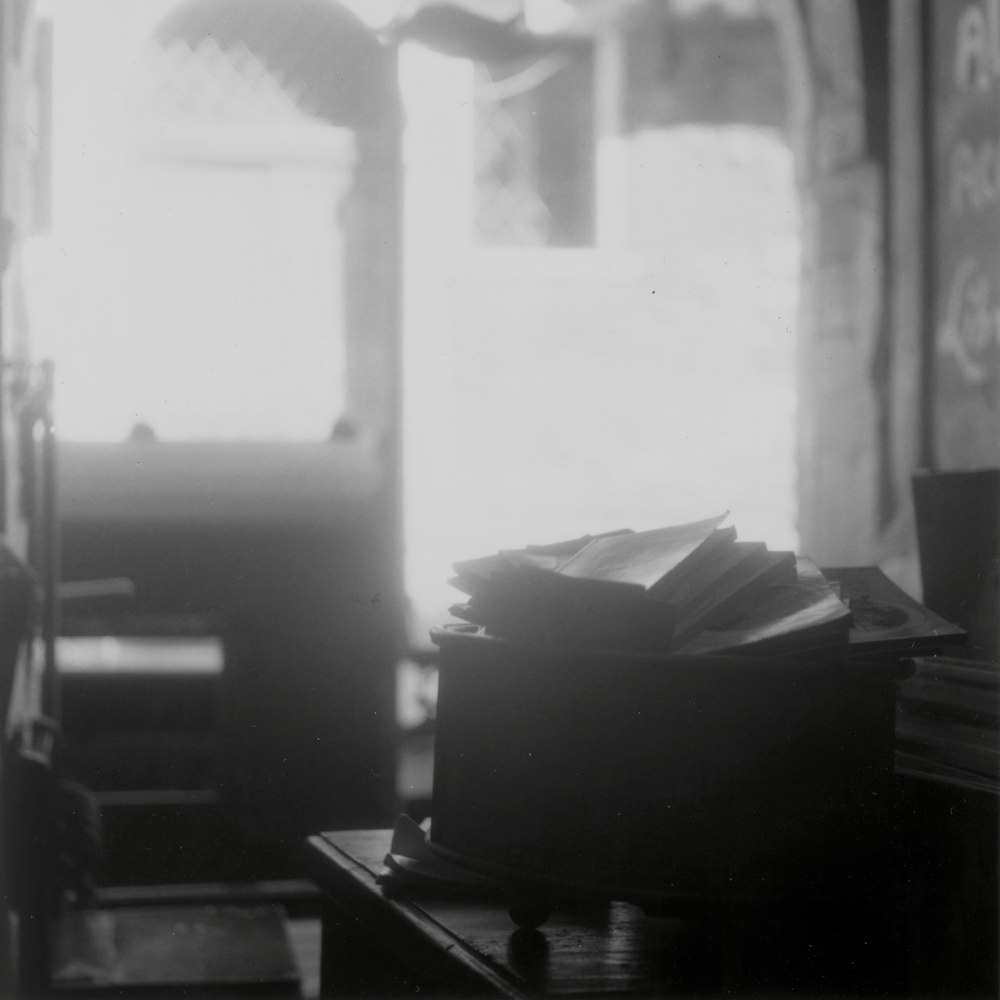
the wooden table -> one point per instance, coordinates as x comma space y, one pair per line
379, 941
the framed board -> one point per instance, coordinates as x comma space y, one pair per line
963, 129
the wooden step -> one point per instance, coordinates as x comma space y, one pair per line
114, 762
149, 798
104, 703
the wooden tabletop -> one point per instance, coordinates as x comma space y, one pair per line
471, 947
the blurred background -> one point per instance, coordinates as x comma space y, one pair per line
601, 263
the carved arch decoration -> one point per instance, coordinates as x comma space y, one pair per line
334, 61
340, 74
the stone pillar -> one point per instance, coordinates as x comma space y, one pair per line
842, 302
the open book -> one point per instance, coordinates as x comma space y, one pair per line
662, 561
803, 616
650, 591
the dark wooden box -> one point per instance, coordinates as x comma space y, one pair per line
681, 778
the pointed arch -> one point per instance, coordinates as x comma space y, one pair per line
320, 47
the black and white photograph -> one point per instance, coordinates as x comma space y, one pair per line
499, 498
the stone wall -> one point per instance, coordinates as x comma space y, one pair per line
23, 189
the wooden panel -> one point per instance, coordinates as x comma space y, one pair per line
958, 530
220, 484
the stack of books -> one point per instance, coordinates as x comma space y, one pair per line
948, 722
692, 588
